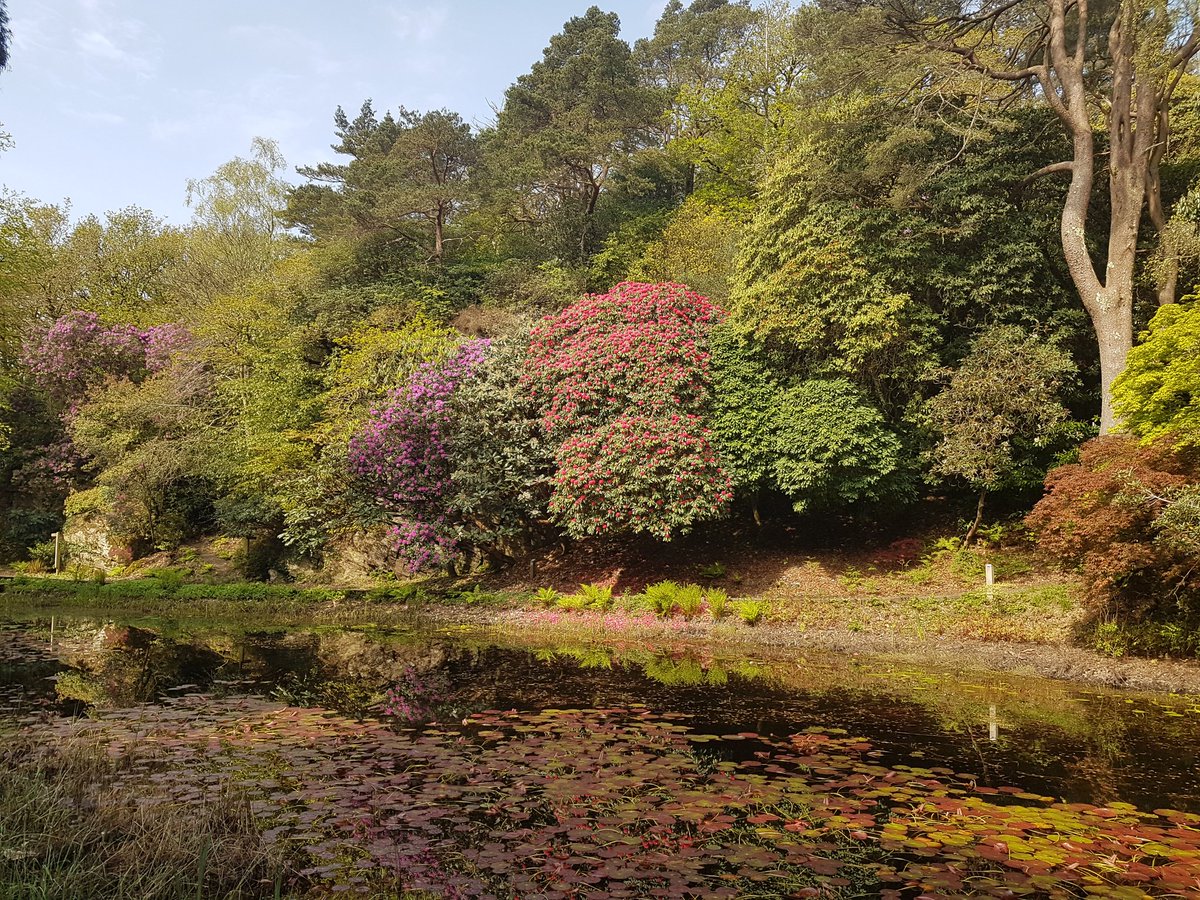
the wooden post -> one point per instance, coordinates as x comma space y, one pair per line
990, 579
993, 724
52, 632
56, 553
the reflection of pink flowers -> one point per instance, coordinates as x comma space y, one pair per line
415, 696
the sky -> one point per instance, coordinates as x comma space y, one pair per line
113, 103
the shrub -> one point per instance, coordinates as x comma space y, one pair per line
547, 597
1106, 515
1158, 393
401, 456
661, 597
690, 600
623, 379
717, 599
750, 611
596, 596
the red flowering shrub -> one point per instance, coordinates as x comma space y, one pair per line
638, 474
1104, 514
623, 379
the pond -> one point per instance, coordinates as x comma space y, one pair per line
402, 763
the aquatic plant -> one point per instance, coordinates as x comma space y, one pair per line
619, 799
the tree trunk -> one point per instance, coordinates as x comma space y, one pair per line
1113, 324
439, 225
974, 529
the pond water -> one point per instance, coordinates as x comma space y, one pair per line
468, 766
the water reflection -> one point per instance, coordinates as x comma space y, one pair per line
1052, 738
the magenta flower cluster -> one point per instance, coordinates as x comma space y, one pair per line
78, 352
401, 454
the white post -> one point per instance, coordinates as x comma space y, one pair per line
56, 556
989, 575
52, 632
993, 725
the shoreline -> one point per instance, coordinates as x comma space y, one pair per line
1056, 660
1060, 662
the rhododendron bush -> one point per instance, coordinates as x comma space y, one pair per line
623, 378
401, 455
79, 353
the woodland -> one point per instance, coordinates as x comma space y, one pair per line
772, 264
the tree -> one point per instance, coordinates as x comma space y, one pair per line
1002, 401
688, 56
150, 447
698, 247
1118, 65
5, 35
803, 284
408, 177
237, 231
565, 129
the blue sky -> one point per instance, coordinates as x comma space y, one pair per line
118, 102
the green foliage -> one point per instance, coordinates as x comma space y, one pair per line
831, 447
547, 597
661, 597
690, 600
573, 602
596, 596
1158, 394
750, 611
169, 580
501, 461
717, 600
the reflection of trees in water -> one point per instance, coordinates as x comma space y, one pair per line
1070, 742
133, 665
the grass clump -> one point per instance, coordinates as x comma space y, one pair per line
67, 831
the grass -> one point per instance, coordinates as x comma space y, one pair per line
66, 831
